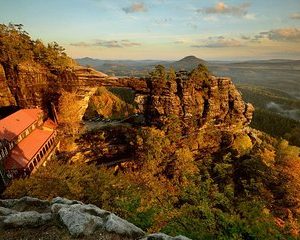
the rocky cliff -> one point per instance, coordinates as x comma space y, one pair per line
53, 218
199, 105
6, 97
198, 101
25, 86
30, 85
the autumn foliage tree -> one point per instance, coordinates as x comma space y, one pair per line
68, 112
16, 46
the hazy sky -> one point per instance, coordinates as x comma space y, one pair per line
163, 29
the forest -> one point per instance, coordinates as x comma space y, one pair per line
219, 196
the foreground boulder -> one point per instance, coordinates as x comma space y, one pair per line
78, 218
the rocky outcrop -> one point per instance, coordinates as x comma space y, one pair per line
88, 77
207, 112
78, 218
26, 85
30, 85
197, 101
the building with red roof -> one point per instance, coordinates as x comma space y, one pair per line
15, 125
26, 142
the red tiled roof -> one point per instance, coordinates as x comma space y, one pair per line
16, 123
21, 154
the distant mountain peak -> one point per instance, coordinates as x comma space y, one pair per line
188, 63
86, 58
190, 57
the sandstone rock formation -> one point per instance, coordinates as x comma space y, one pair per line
198, 102
206, 110
78, 218
6, 97
30, 85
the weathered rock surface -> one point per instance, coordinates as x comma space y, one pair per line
29, 85
78, 218
24, 219
78, 221
6, 97
208, 109
121, 226
197, 101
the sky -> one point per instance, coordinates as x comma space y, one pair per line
162, 29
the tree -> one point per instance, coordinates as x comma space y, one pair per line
200, 73
159, 71
15, 45
68, 109
171, 74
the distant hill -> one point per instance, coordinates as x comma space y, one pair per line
187, 63
89, 61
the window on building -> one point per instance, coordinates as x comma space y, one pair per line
35, 162
31, 167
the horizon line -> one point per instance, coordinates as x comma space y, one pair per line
207, 60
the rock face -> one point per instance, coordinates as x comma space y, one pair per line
6, 97
207, 111
29, 85
78, 218
198, 102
